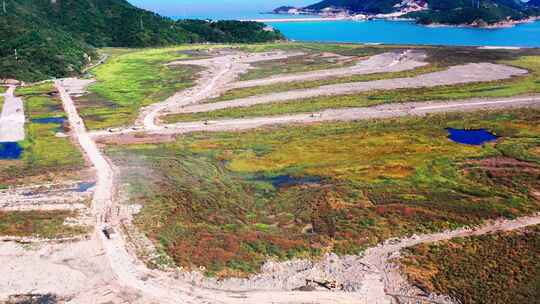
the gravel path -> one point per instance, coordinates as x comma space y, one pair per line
12, 118
215, 79
346, 114
381, 63
468, 73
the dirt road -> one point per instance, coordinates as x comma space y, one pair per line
215, 79
381, 63
12, 118
346, 114
468, 73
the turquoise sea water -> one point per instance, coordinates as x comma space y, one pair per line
406, 32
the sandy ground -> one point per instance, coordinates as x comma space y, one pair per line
468, 73
12, 118
382, 63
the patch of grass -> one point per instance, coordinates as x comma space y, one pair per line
208, 199
42, 224
3, 89
45, 155
504, 88
132, 79
38, 89
496, 269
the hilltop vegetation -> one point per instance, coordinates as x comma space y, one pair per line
485, 12
42, 38
360, 6
476, 12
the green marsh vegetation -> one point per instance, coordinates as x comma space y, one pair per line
46, 157
505, 88
42, 224
498, 268
230, 201
132, 79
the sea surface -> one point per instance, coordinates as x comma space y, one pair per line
407, 32
391, 32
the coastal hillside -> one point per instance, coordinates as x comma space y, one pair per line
54, 38
475, 13
360, 6
452, 12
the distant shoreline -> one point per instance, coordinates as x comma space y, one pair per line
284, 20
498, 25
322, 19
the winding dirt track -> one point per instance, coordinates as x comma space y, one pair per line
381, 63
461, 74
219, 72
345, 114
111, 269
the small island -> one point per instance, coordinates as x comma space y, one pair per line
474, 13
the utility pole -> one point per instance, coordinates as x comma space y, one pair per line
141, 23
4, 6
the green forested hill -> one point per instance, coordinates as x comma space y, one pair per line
361, 6
51, 38
478, 12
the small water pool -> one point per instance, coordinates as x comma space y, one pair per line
85, 186
470, 137
280, 181
10, 150
49, 120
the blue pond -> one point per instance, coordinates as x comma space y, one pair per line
10, 150
85, 186
470, 137
49, 120
287, 180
